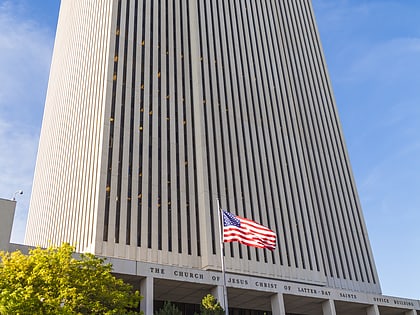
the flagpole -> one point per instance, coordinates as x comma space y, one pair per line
222, 248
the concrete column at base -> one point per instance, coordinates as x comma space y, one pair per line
373, 310
328, 308
218, 293
277, 304
146, 290
412, 312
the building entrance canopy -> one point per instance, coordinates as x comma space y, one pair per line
187, 285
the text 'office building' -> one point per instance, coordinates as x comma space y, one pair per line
155, 109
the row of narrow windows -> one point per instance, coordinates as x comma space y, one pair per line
170, 107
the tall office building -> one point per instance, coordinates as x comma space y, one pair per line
157, 109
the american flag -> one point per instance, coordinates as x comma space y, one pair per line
247, 232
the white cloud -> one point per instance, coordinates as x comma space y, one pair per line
25, 53
387, 61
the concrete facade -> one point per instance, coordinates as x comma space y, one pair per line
157, 109
7, 213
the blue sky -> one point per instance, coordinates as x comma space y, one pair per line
372, 49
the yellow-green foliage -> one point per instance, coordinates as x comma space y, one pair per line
50, 281
210, 306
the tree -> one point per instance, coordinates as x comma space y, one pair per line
51, 281
210, 306
168, 309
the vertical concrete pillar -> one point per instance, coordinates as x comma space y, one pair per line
328, 307
146, 290
277, 304
218, 293
373, 310
412, 312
